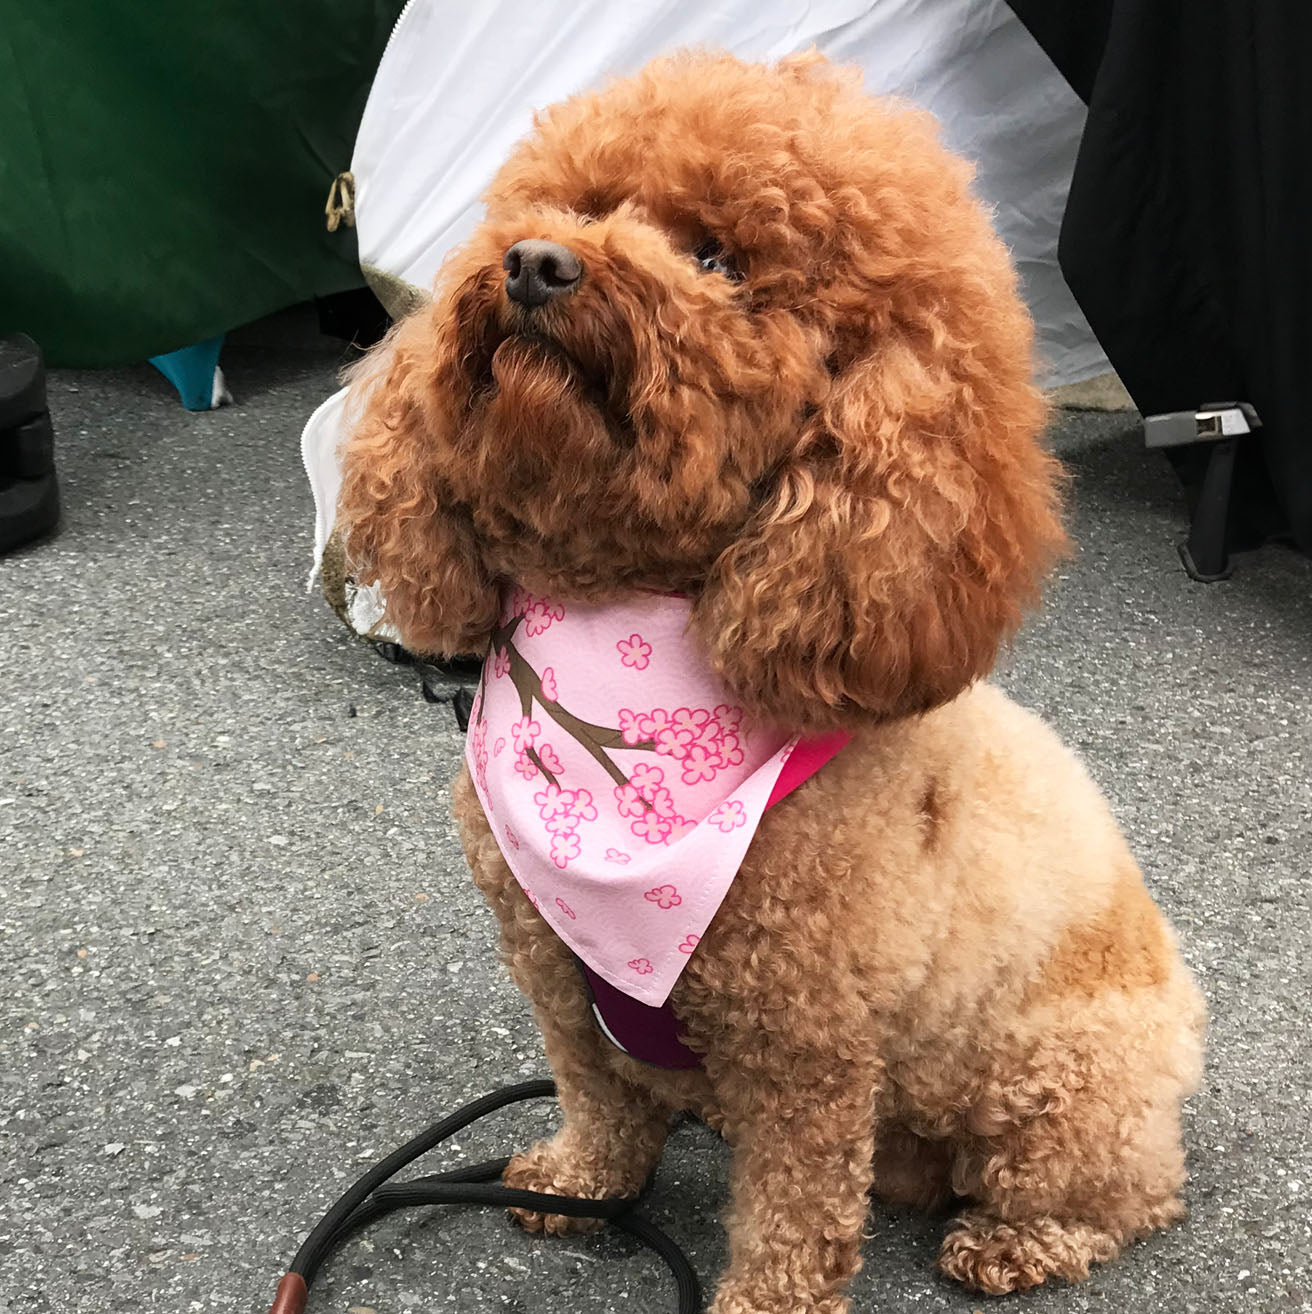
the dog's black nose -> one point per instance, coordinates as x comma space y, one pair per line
536, 271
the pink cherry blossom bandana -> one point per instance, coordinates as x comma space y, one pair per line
622, 784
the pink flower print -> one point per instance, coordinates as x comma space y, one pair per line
549, 690
647, 800
582, 806
679, 827
615, 855
479, 742
672, 741
645, 777
511, 838
547, 756
562, 810
634, 652
552, 802
728, 816
637, 726
692, 719
567, 910
524, 765
631, 803
664, 896
700, 765
501, 663
540, 615
662, 803
708, 736
704, 741
655, 721
729, 718
690, 942
564, 848
524, 733
651, 828
498, 746
642, 966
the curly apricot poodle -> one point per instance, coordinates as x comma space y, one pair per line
740, 334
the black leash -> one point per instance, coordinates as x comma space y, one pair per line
371, 1197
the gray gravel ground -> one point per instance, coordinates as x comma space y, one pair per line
242, 958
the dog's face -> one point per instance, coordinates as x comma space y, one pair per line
733, 330
631, 340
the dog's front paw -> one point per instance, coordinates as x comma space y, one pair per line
735, 1299
553, 1170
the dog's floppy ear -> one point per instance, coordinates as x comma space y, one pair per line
902, 538
402, 526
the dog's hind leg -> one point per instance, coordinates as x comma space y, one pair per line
990, 1255
1080, 1153
1054, 1203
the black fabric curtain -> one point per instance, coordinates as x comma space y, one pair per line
1187, 239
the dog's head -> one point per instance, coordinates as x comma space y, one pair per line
733, 330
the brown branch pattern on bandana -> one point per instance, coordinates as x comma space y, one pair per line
698, 742
528, 683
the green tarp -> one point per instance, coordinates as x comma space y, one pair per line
164, 168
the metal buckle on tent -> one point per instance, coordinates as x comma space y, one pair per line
1211, 423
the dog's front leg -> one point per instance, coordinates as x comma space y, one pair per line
614, 1126
613, 1130
801, 1174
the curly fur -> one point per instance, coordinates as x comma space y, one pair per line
938, 972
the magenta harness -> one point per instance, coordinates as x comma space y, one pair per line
623, 787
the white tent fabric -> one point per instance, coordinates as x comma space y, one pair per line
458, 84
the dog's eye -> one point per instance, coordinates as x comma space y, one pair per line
593, 205
714, 260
